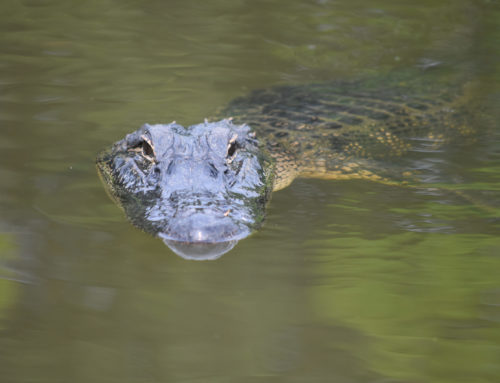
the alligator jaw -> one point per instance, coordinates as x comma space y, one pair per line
203, 236
199, 251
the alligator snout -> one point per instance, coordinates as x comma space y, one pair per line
203, 235
200, 251
204, 227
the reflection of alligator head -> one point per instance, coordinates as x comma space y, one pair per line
200, 189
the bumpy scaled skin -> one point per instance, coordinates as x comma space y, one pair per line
356, 129
200, 189
203, 188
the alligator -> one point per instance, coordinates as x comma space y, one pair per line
203, 188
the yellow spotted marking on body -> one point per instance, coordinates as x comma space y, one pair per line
344, 134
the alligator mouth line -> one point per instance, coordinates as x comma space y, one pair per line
199, 251
203, 227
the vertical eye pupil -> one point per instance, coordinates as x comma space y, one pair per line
232, 149
147, 149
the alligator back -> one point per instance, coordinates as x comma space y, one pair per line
355, 129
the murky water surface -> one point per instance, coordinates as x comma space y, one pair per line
348, 281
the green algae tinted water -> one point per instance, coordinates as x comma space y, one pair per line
348, 281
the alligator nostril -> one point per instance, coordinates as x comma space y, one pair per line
170, 168
213, 170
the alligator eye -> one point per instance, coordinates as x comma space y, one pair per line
147, 149
231, 149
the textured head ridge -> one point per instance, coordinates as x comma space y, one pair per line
200, 189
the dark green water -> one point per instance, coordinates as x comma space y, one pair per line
348, 281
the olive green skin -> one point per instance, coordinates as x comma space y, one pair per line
355, 129
203, 188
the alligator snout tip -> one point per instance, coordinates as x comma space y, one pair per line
203, 237
200, 251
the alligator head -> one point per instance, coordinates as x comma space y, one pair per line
200, 189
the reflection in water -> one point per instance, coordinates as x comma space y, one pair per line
200, 251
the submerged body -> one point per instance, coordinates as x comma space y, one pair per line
203, 188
